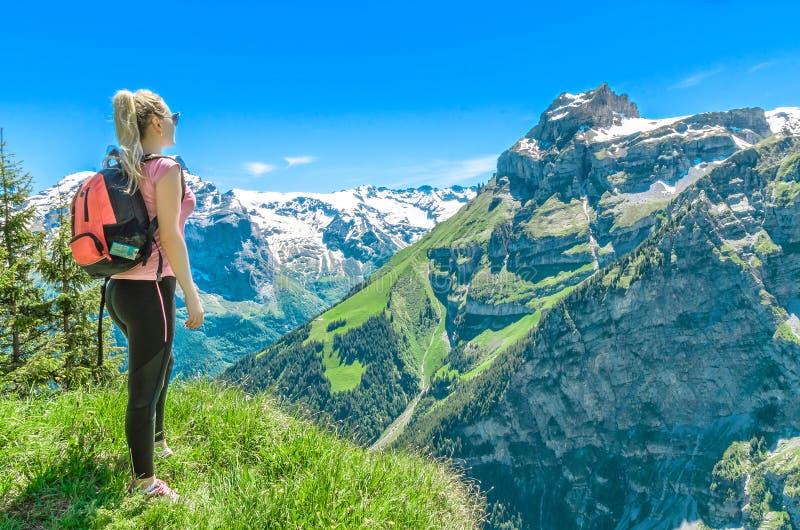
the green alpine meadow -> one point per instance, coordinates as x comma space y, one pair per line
241, 462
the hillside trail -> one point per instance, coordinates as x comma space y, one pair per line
401, 421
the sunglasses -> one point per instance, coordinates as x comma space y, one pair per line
174, 117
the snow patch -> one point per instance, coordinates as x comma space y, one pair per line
741, 144
575, 100
529, 147
629, 127
745, 242
667, 188
784, 119
741, 205
794, 324
44, 201
660, 190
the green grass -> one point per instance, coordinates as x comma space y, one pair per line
502, 339
473, 224
618, 178
355, 310
504, 287
564, 278
370, 301
727, 252
786, 459
776, 521
239, 463
540, 304
789, 165
411, 293
342, 376
578, 249
785, 332
557, 219
436, 353
744, 466
785, 193
630, 214
764, 244
607, 249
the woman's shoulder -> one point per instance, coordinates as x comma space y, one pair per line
156, 168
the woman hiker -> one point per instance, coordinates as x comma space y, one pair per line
141, 301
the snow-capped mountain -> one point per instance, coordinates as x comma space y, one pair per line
267, 261
306, 235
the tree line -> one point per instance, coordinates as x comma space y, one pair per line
294, 368
48, 305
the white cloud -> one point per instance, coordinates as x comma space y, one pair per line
443, 173
299, 160
696, 79
761, 66
259, 168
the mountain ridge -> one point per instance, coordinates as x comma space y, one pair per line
265, 262
467, 296
563, 332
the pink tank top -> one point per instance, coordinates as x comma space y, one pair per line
152, 172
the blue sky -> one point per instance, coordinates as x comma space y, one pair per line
323, 96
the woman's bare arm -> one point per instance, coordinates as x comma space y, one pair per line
168, 208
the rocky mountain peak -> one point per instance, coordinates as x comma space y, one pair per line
570, 113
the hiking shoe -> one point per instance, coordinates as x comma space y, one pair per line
163, 453
159, 488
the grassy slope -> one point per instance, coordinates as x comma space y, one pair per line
239, 463
740, 476
557, 219
471, 224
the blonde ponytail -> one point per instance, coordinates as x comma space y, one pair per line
131, 113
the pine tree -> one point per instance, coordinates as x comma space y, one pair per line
23, 311
73, 308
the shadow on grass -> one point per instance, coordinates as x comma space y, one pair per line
68, 493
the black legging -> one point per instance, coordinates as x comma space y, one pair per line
145, 312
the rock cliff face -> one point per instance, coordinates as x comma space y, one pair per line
230, 255
630, 389
586, 186
568, 114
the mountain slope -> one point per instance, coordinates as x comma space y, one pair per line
613, 411
572, 206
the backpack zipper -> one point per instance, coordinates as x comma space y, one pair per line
97, 242
86, 204
72, 215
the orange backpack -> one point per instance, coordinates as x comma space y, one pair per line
111, 229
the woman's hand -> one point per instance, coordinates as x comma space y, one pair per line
195, 308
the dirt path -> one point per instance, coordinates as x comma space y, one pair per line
401, 421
